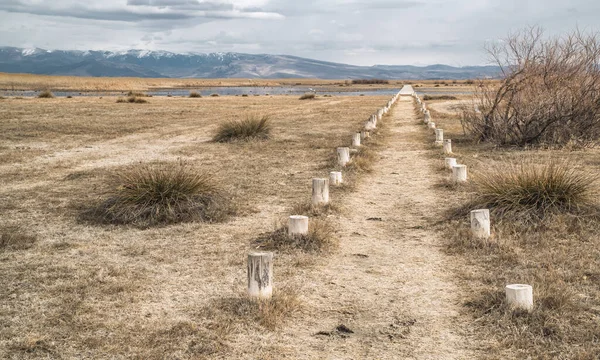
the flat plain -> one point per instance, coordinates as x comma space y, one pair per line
405, 280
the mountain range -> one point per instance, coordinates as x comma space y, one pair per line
164, 64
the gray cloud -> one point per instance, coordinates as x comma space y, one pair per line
362, 32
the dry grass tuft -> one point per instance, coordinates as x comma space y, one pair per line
363, 160
46, 94
15, 238
138, 94
320, 238
195, 94
310, 210
148, 195
439, 97
532, 192
269, 313
251, 128
214, 95
308, 96
133, 100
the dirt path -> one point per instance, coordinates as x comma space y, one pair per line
389, 283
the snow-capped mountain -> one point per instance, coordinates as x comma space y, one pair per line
146, 63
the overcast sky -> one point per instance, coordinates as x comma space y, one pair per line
361, 32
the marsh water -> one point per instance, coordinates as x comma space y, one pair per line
249, 91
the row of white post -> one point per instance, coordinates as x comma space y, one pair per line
260, 264
517, 295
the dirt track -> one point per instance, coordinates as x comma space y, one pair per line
389, 283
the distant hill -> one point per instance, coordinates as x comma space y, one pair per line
142, 63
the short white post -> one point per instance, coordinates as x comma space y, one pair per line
459, 173
450, 162
343, 155
519, 296
447, 146
439, 134
260, 275
320, 191
480, 223
356, 140
297, 225
431, 125
335, 178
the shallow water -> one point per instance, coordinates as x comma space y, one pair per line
233, 91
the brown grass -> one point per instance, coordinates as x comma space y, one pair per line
15, 238
308, 96
145, 287
195, 94
149, 195
269, 313
320, 238
46, 94
132, 99
556, 253
251, 128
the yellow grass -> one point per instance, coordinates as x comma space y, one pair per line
558, 256
112, 291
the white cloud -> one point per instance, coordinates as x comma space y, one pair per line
362, 32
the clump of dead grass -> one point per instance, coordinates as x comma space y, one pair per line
214, 95
149, 195
15, 238
320, 238
250, 128
308, 96
132, 99
138, 94
363, 160
46, 94
195, 94
311, 210
268, 313
532, 192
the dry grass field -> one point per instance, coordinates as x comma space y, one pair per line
74, 289
559, 255
395, 272
14, 82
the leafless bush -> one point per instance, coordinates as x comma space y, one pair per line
549, 93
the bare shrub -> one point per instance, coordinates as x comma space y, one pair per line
148, 195
138, 94
252, 127
195, 94
549, 93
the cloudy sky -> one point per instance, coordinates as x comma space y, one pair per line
362, 32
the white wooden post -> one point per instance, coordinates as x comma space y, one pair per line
343, 156
439, 135
450, 162
320, 191
448, 146
335, 178
297, 225
260, 275
519, 296
459, 173
480, 223
356, 140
